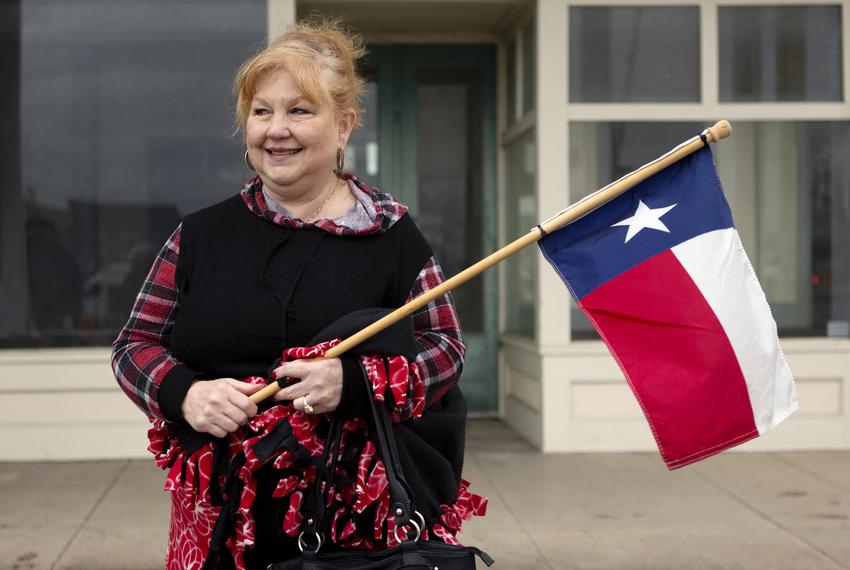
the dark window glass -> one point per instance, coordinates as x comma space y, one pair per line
521, 268
789, 187
529, 63
449, 126
511, 79
361, 152
634, 54
126, 125
780, 53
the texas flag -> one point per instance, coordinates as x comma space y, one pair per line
661, 273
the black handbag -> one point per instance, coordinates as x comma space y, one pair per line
411, 553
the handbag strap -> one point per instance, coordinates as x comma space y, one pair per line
387, 449
315, 511
400, 494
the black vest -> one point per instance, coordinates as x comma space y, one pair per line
249, 288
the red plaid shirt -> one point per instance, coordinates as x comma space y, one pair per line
140, 354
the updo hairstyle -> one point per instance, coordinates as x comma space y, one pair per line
320, 55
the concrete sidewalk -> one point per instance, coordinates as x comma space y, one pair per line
738, 510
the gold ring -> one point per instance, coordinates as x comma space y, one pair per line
308, 409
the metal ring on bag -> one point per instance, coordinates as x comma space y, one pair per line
421, 518
302, 544
412, 522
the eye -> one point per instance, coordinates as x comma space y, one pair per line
258, 111
300, 111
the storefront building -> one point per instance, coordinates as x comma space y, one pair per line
485, 117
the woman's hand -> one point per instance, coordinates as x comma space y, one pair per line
319, 380
219, 407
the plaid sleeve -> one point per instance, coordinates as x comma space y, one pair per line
437, 331
140, 358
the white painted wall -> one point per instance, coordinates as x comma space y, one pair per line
62, 404
597, 411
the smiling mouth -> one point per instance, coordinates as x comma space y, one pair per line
283, 152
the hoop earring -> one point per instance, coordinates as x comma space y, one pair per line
248, 162
340, 162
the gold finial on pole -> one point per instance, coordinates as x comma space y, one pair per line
720, 130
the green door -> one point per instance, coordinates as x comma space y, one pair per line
429, 139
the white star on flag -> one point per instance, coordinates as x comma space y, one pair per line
645, 217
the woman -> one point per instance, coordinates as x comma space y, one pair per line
302, 256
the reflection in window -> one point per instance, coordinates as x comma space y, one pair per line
510, 78
788, 184
449, 127
126, 126
361, 152
634, 54
521, 268
529, 65
780, 53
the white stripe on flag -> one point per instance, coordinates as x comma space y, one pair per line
717, 263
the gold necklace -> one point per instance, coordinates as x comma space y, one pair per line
322, 205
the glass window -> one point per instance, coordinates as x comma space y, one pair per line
361, 152
788, 184
521, 268
634, 54
126, 125
449, 154
510, 79
780, 53
529, 62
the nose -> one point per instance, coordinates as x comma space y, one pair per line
279, 127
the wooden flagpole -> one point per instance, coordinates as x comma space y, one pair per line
719, 131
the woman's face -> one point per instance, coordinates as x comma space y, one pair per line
291, 141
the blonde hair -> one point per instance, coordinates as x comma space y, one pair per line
320, 55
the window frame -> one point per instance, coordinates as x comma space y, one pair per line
513, 124
709, 108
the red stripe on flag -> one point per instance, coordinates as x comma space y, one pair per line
676, 357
